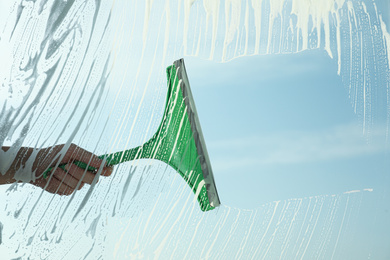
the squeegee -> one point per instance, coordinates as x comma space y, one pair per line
178, 141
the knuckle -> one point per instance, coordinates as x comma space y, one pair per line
72, 149
58, 147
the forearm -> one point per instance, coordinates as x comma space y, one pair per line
18, 163
6, 179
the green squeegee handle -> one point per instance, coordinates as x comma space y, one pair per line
82, 165
111, 159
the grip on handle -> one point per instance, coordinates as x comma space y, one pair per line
82, 165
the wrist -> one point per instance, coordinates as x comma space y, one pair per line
15, 164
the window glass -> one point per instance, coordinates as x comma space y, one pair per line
292, 98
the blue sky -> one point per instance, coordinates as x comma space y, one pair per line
282, 126
279, 127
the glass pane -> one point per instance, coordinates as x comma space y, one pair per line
292, 99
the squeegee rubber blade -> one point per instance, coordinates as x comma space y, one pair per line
197, 134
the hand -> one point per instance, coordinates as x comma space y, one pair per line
59, 181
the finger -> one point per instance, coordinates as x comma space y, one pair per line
79, 154
56, 186
80, 174
63, 189
107, 171
81, 186
67, 178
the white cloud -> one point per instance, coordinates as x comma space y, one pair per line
345, 141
